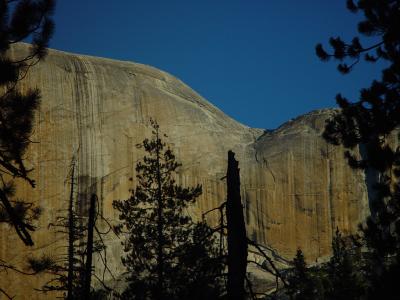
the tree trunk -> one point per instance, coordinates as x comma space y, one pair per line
71, 238
89, 247
237, 239
160, 225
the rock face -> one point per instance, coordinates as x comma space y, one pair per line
296, 188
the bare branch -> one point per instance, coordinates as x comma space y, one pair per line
5, 294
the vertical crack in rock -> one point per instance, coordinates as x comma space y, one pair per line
86, 118
266, 165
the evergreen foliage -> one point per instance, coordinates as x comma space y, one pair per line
344, 271
303, 284
168, 255
20, 20
369, 124
342, 277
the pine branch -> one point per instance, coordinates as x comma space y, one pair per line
20, 227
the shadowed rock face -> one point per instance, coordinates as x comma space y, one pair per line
296, 188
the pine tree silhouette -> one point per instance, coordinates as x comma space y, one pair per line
19, 22
344, 276
368, 123
168, 255
301, 283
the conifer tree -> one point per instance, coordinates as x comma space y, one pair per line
344, 271
368, 123
19, 21
168, 255
301, 284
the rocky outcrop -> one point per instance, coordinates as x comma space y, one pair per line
296, 189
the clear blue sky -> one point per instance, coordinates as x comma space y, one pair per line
253, 59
